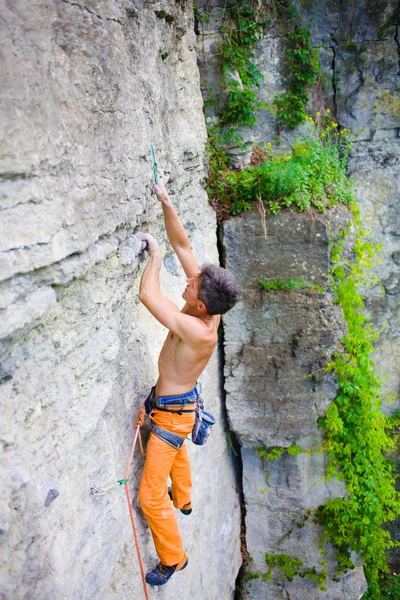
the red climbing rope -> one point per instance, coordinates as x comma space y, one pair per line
128, 497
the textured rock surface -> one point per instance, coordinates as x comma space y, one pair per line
79, 352
359, 52
295, 485
274, 341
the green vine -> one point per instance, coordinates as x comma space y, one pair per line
276, 451
290, 567
356, 431
240, 77
301, 65
288, 285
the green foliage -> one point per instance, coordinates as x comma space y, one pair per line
389, 588
275, 452
310, 175
294, 450
302, 68
251, 575
356, 436
272, 453
290, 567
394, 421
287, 285
200, 17
242, 27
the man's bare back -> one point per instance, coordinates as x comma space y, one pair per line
181, 364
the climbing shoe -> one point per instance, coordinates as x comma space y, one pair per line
184, 511
161, 573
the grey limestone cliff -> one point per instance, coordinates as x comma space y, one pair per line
88, 86
276, 344
274, 341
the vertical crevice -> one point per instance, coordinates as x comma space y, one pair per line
233, 440
397, 40
333, 45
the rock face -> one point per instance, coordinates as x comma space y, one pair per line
276, 344
275, 340
90, 86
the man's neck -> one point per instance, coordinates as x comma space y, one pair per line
193, 312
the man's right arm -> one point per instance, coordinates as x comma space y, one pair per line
176, 233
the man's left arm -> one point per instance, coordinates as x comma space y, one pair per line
176, 233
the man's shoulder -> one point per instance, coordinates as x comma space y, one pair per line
203, 331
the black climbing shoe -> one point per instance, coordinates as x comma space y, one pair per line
184, 511
161, 573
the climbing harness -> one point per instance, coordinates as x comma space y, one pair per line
96, 491
203, 423
177, 403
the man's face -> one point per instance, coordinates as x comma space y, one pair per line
191, 292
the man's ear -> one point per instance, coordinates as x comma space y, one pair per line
201, 307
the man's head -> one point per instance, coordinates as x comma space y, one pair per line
217, 289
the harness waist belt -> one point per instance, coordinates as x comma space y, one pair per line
178, 401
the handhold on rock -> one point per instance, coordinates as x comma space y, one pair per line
51, 496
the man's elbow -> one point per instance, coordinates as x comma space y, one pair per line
143, 297
147, 298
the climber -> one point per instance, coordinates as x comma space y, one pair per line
191, 340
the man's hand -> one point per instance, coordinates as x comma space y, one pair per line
161, 192
140, 417
152, 244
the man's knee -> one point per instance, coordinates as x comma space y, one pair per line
151, 498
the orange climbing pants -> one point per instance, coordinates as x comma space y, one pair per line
163, 461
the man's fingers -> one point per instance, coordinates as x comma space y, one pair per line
160, 191
146, 236
151, 242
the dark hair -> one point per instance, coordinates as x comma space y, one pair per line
217, 289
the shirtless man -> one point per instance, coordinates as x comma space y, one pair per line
190, 342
